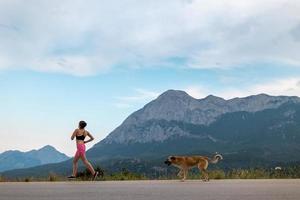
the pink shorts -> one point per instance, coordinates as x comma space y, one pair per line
80, 150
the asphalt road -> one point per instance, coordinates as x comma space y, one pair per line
158, 190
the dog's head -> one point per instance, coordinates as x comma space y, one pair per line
170, 160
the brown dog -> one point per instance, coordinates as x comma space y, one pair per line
184, 163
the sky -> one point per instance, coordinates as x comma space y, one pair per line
62, 61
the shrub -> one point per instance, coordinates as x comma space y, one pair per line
53, 177
100, 170
217, 174
84, 175
2, 179
27, 179
125, 174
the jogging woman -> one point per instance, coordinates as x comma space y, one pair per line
80, 135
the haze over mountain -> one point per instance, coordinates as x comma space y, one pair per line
16, 159
251, 131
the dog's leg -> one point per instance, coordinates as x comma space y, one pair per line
205, 173
185, 172
180, 173
202, 173
202, 166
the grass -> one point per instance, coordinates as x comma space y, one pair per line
252, 173
124, 174
2, 179
53, 177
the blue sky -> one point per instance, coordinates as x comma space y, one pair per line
64, 61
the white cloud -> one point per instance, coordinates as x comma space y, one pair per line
289, 86
140, 97
141, 94
286, 86
75, 65
87, 37
197, 92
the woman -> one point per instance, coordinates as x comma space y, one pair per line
80, 135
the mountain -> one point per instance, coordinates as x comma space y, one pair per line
264, 127
16, 159
178, 106
258, 130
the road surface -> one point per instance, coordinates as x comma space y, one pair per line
157, 190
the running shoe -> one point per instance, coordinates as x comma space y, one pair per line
71, 177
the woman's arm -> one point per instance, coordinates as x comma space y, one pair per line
74, 134
90, 136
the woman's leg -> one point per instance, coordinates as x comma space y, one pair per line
75, 165
87, 164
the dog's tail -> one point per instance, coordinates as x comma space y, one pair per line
215, 159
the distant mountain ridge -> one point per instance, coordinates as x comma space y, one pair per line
175, 105
14, 159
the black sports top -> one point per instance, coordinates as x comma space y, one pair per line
81, 137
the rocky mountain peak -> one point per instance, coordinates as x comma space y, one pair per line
178, 106
47, 148
211, 99
171, 94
